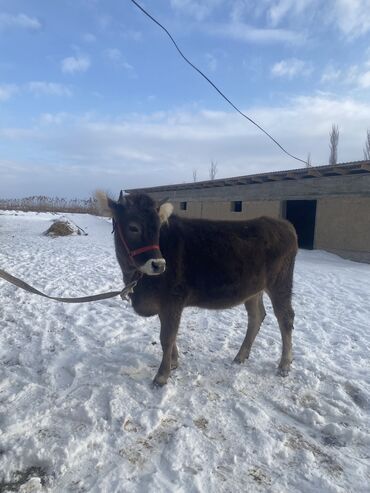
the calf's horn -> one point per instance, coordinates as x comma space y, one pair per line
121, 198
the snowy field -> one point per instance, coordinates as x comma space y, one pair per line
78, 413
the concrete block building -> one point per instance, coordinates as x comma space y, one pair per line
328, 205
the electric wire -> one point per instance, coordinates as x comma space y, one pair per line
214, 85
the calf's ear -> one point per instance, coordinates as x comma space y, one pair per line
105, 204
165, 211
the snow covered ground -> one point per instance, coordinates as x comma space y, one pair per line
78, 413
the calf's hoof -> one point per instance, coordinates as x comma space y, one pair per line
283, 372
159, 380
239, 359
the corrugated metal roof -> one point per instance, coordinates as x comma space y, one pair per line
292, 174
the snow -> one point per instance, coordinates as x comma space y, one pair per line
78, 412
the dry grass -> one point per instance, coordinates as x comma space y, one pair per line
41, 203
59, 228
63, 228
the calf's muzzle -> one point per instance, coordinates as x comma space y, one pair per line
153, 266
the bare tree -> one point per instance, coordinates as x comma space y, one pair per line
367, 147
194, 175
213, 170
334, 138
308, 161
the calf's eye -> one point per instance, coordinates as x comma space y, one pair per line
133, 229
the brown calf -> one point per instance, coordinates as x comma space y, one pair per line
210, 264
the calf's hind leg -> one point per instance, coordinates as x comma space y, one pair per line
256, 314
282, 304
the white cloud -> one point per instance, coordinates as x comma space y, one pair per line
7, 91
71, 65
246, 33
89, 38
53, 118
199, 9
48, 88
211, 61
357, 76
115, 56
351, 75
34, 87
291, 68
330, 74
364, 80
19, 134
105, 21
22, 21
132, 34
165, 147
272, 12
281, 9
352, 16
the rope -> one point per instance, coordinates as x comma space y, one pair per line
84, 299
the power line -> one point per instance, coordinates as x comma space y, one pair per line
214, 85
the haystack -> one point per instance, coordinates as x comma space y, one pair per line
63, 227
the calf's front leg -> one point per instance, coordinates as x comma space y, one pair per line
174, 357
170, 320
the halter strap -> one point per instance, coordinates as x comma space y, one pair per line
138, 251
133, 253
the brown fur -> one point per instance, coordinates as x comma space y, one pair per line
209, 264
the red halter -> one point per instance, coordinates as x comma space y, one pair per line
138, 251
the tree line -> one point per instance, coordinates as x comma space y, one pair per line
42, 203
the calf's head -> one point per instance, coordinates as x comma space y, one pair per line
137, 221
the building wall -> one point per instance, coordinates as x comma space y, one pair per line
194, 209
343, 226
222, 210
342, 222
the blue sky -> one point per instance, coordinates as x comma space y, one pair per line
94, 95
